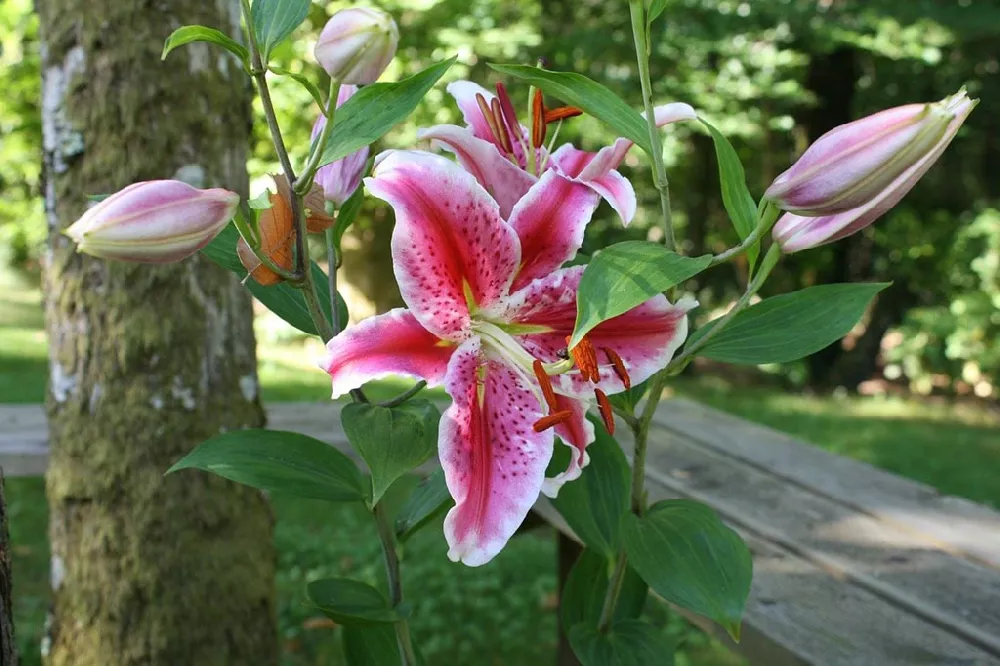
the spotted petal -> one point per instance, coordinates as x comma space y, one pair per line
393, 343
645, 337
450, 247
506, 181
550, 220
494, 462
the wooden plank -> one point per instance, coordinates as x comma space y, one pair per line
949, 523
958, 595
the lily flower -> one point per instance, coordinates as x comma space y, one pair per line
490, 311
507, 159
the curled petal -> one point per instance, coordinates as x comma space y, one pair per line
645, 337
451, 250
577, 433
393, 343
465, 93
494, 461
550, 220
503, 179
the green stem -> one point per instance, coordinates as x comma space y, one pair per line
659, 170
388, 539
331, 276
305, 180
405, 395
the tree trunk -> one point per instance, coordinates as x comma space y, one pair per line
147, 361
8, 646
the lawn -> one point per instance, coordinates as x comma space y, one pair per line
505, 610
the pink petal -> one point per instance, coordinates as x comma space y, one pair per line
577, 434
494, 461
611, 185
550, 220
393, 343
645, 337
618, 192
506, 181
465, 93
449, 242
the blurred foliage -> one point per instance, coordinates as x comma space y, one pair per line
772, 74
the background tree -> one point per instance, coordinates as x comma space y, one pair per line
8, 647
146, 362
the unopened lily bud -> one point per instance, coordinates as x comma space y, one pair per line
157, 221
852, 164
340, 179
357, 44
794, 232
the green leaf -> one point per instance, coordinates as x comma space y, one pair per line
304, 82
427, 500
582, 599
377, 108
282, 299
594, 504
370, 645
274, 20
595, 100
628, 399
350, 602
199, 33
692, 559
392, 440
347, 213
655, 9
736, 197
280, 462
626, 274
790, 326
625, 643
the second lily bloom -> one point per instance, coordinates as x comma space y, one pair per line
856, 172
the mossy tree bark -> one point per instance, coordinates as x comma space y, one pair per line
8, 646
147, 361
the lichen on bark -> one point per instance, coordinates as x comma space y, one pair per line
146, 362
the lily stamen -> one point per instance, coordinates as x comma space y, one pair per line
552, 420
546, 385
585, 358
618, 365
538, 126
561, 113
504, 130
604, 407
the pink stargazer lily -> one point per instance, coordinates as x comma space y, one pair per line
490, 309
507, 159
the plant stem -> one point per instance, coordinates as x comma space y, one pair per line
388, 539
659, 171
405, 395
331, 276
305, 180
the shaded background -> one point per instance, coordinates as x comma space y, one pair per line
773, 75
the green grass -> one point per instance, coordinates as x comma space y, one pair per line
502, 613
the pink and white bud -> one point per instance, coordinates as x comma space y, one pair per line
340, 179
798, 232
357, 44
854, 163
157, 221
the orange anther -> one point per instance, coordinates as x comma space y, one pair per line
538, 120
503, 132
585, 358
605, 408
552, 420
562, 113
546, 384
618, 365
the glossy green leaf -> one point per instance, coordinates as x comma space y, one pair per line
392, 440
350, 602
427, 500
790, 326
628, 400
199, 33
582, 599
656, 8
377, 108
282, 462
625, 643
692, 559
594, 504
305, 82
282, 299
275, 20
736, 197
595, 100
626, 274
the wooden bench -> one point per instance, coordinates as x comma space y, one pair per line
852, 566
